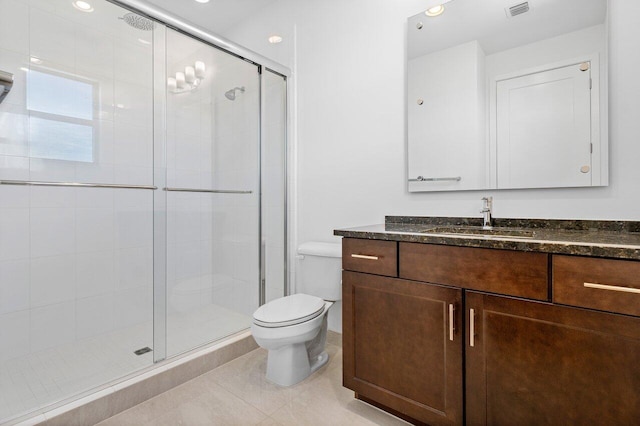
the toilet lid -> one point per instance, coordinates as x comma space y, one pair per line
288, 310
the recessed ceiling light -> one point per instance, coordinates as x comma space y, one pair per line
202, 1
35, 60
83, 6
435, 11
275, 39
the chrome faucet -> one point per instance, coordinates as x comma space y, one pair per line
486, 212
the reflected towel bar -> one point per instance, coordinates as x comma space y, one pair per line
75, 184
214, 191
435, 179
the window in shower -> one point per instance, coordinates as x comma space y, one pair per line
61, 125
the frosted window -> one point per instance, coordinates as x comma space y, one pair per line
61, 114
60, 141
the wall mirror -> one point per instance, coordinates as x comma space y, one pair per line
507, 94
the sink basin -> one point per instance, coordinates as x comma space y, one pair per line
478, 231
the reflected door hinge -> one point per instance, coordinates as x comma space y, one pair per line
591, 148
590, 84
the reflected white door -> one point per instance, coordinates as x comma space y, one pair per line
544, 129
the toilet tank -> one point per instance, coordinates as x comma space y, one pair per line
320, 270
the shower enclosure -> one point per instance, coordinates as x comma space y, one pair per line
142, 196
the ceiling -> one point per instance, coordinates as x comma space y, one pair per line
218, 16
487, 22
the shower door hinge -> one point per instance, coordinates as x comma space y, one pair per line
259, 69
590, 84
591, 148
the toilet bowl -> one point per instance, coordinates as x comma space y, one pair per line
296, 346
294, 328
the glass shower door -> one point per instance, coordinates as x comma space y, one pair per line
212, 194
76, 201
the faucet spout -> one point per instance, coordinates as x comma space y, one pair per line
486, 212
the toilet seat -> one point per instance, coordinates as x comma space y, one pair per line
289, 310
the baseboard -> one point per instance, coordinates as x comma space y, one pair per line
334, 338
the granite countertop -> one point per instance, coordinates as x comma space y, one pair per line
612, 239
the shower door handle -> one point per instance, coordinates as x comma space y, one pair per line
211, 191
75, 184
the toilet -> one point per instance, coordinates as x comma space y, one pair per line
294, 328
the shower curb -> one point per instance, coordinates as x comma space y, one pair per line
108, 402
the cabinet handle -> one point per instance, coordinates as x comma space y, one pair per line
364, 256
472, 327
613, 288
451, 321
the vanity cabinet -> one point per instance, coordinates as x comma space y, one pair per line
526, 337
533, 363
402, 346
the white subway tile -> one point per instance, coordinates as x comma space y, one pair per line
14, 335
52, 325
52, 231
95, 273
94, 316
14, 26
14, 232
94, 229
14, 286
53, 280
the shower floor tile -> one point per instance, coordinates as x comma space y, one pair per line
46, 377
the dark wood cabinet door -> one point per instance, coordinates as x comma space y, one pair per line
533, 363
399, 348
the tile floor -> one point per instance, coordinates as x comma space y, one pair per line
237, 393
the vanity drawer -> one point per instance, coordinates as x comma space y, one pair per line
370, 256
604, 284
514, 273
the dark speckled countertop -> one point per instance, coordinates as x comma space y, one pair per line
612, 239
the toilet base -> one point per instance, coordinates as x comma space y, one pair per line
296, 351
320, 360
290, 365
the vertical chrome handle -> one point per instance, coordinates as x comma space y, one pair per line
472, 326
451, 321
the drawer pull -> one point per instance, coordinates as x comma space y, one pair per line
613, 288
364, 256
472, 327
451, 321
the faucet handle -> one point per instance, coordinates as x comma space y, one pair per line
488, 202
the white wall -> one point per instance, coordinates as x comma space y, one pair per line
349, 64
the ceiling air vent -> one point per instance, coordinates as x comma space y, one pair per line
518, 9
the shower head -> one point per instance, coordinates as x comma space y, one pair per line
6, 83
138, 22
231, 94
